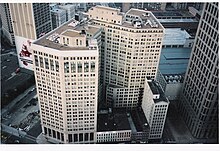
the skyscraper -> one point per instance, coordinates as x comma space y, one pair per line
30, 21
66, 72
130, 52
6, 23
199, 99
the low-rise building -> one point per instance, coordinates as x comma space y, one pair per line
177, 37
171, 84
113, 128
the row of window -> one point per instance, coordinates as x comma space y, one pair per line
79, 67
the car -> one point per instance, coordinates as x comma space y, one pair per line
17, 70
33, 89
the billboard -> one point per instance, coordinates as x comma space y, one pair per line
24, 52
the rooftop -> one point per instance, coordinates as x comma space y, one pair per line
172, 14
183, 20
57, 10
72, 33
175, 36
113, 122
71, 28
174, 60
156, 89
108, 8
139, 119
148, 20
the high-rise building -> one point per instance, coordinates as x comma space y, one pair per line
155, 106
199, 100
6, 23
66, 66
58, 17
30, 21
130, 52
70, 10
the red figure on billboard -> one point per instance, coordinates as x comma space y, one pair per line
25, 51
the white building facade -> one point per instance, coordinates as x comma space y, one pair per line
66, 71
155, 106
131, 52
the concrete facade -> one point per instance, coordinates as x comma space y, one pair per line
155, 106
199, 99
67, 75
131, 52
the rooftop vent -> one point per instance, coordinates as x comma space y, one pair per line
73, 23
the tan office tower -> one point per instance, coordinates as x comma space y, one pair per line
30, 21
199, 100
130, 52
66, 66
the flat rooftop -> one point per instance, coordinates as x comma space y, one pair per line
183, 20
172, 14
113, 122
108, 8
156, 89
57, 10
175, 36
139, 119
63, 29
174, 60
145, 18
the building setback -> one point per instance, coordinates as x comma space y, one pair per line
199, 100
30, 21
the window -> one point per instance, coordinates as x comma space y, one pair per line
46, 63
92, 66
70, 138
73, 67
80, 137
86, 67
57, 66
51, 65
66, 67
36, 60
41, 62
75, 138
79, 64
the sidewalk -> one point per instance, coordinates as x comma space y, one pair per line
42, 140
